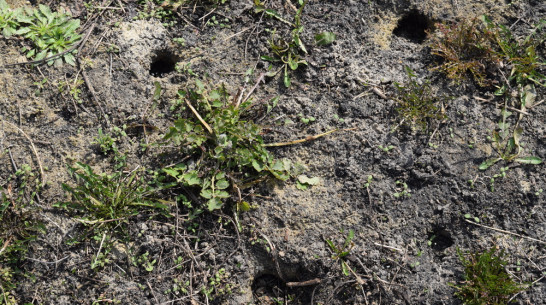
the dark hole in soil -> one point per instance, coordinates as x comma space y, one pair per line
440, 239
268, 286
413, 26
163, 63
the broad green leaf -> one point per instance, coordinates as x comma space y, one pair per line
214, 204
325, 38
257, 166
191, 178
529, 160
69, 58
488, 163
220, 175
269, 58
345, 268
307, 180
222, 194
206, 193
529, 96
293, 64
302, 186
157, 91
222, 184
243, 206
299, 43
349, 238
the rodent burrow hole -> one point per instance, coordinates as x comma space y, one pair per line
413, 26
163, 63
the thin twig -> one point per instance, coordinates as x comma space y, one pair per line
389, 247
237, 34
207, 126
48, 263
506, 232
304, 283
100, 248
307, 139
260, 79
498, 106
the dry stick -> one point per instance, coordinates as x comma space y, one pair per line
260, 79
237, 34
12, 160
207, 126
506, 232
153, 293
536, 104
274, 255
508, 107
307, 139
100, 247
312, 282
389, 247
42, 174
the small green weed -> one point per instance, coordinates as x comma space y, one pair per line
166, 10
466, 47
50, 32
340, 252
479, 46
144, 261
288, 52
219, 284
403, 190
507, 144
486, 280
109, 199
18, 225
520, 54
417, 104
11, 19
226, 152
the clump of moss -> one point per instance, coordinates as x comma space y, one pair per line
486, 280
466, 47
417, 103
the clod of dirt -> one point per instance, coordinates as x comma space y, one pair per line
139, 41
413, 26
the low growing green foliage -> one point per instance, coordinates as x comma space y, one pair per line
288, 52
478, 46
225, 151
109, 198
10, 19
417, 104
340, 252
507, 144
18, 225
522, 53
486, 280
50, 32
465, 47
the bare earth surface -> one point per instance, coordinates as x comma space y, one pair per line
404, 248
